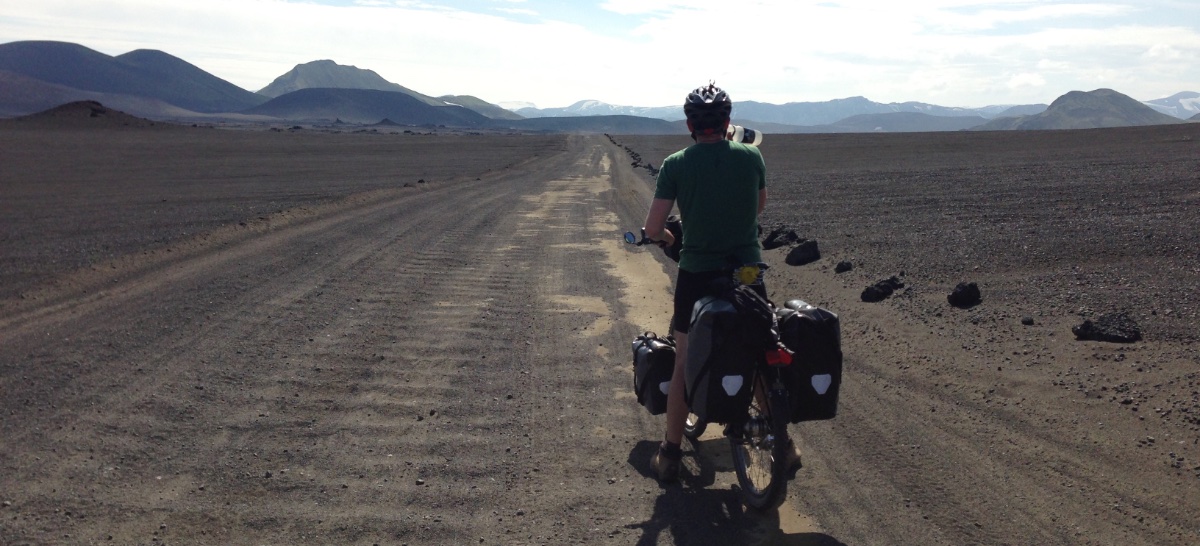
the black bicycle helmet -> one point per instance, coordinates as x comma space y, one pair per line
707, 107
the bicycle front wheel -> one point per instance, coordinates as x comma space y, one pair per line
760, 452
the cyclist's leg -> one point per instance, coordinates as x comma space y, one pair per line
677, 409
689, 288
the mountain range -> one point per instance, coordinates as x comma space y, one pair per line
38, 75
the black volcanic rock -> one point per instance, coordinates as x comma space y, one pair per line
965, 295
881, 290
804, 253
1116, 328
779, 237
843, 267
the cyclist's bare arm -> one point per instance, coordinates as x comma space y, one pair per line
762, 200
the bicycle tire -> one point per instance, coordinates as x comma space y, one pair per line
760, 454
694, 426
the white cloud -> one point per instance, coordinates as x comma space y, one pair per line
1026, 80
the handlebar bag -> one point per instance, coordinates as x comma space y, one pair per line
675, 226
653, 365
720, 362
814, 378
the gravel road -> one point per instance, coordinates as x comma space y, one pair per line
369, 359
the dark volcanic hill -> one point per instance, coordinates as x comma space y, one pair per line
1085, 110
365, 106
22, 95
84, 114
25, 95
143, 73
326, 74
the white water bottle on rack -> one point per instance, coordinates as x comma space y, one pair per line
737, 133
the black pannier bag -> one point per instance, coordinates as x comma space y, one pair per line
720, 363
814, 378
653, 364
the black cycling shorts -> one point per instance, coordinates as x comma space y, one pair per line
689, 288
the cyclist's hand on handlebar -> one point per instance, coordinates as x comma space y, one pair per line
665, 240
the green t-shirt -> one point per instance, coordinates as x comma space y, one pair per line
716, 187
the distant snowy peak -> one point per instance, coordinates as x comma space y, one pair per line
513, 105
598, 108
591, 105
1181, 105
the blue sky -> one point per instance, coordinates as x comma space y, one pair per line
651, 52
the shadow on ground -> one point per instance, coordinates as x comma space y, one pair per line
694, 514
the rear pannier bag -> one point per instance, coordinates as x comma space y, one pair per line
653, 364
814, 378
720, 363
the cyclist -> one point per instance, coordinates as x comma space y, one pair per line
720, 188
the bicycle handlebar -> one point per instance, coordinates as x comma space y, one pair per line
633, 240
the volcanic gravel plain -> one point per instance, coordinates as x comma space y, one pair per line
318, 336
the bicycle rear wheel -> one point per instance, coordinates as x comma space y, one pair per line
760, 453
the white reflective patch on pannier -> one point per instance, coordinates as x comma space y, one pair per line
822, 382
664, 387
732, 384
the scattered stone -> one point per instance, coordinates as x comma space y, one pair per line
965, 295
881, 290
805, 253
1115, 328
1027, 320
843, 267
420, 481
780, 237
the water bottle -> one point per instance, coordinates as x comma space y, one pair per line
737, 133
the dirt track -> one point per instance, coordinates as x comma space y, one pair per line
448, 363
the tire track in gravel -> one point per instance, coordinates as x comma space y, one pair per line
231, 340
